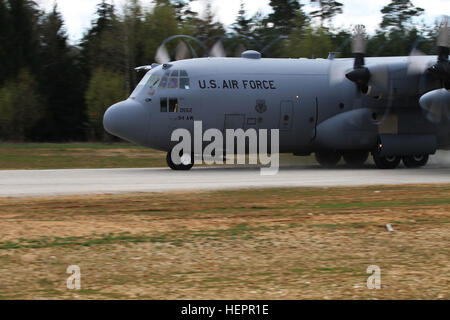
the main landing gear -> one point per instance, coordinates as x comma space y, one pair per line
330, 158
386, 162
392, 162
415, 161
357, 158
186, 162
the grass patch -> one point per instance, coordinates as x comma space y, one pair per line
77, 156
90, 156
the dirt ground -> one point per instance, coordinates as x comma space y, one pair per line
288, 243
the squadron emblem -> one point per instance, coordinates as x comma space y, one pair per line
261, 106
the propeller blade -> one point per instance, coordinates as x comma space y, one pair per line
240, 49
379, 77
182, 51
359, 42
418, 62
359, 45
444, 34
218, 50
441, 70
338, 70
162, 56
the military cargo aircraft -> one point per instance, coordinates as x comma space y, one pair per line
395, 108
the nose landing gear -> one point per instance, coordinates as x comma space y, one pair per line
186, 162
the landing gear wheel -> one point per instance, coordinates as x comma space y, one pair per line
415, 161
187, 162
387, 162
328, 159
356, 158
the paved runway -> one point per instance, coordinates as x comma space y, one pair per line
98, 181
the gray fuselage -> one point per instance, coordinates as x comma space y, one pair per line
309, 100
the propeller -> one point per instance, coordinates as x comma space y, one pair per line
218, 50
373, 80
418, 62
436, 104
441, 70
162, 55
182, 51
360, 75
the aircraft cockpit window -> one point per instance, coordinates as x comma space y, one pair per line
173, 83
184, 83
154, 80
163, 82
177, 79
141, 85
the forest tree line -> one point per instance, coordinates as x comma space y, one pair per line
52, 90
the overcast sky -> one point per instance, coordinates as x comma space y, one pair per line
79, 13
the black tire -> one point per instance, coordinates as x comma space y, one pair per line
356, 158
179, 167
328, 159
386, 162
415, 161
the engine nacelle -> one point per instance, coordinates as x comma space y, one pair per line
436, 105
352, 130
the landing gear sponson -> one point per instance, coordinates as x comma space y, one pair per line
330, 158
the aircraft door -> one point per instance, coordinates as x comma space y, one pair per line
305, 124
286, 113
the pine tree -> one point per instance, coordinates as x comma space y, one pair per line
101, 45
5, 39
284, 12
20, 107
286, 17
22, 44
398, 13
183, 11
328, 9
309, 42
207, 30
242, 25
59, 82
132, 25
158, 25
105, 88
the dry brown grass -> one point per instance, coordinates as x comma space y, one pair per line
296, 243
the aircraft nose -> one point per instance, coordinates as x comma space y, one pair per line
127, 120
